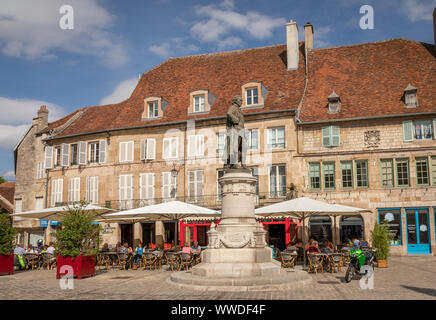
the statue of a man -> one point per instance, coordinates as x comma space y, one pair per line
235, 139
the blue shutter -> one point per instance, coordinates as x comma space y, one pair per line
408, 130
326, 137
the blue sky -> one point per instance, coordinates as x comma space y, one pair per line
112, 42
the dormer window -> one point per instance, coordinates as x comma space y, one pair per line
334, 103
153, 109
253, 95
410, 97
199, 103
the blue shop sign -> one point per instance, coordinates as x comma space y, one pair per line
43, 223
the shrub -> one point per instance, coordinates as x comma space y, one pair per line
7, 234
77, 234
380, 240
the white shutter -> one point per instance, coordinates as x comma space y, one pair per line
88, 190
77, 189
143, 151
165, 184
174, 147
130, 151
102, 153
151, 149
60, 190
48, 157
326, 137
191, 146
335, 136
70, 190
408, 130
150, 186
166, 148
120, 187
122, 152
200, 145
65, 148
434, 128
142, 186
94, 190
82, 152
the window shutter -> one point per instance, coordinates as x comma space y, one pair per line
95, 190
77, 189
200, 146
150, 185
166, 148
129, 151
191, 146
70, 190
336, 136
151, 149
142, 186
60, 186
255, 139
82, 152
122, 154
408, 130
200, 181
102, 155
326, 137
174, 147
48, 157
434, 128
53, 192
143, 150
120, 187
88, 191
65, 148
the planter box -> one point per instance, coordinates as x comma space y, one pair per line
83, 266
382, 263
7, 264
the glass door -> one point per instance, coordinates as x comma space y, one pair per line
418, 238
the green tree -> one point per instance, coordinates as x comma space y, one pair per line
77, 233
7, 234
380, 239
2, 180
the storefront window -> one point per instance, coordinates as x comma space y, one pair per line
351, 228
320, 227
393, 219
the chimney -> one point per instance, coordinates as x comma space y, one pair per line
292, 45
308, 36
42, 118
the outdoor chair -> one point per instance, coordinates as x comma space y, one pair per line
346, 254
48, 261
159, 257
103, 260
172, 260
124, 260
149, 260
288, 259
315, 262
335, 262
32, 261
186, 260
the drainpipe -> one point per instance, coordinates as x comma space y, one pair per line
46, 187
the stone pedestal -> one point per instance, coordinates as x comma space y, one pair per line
237, 254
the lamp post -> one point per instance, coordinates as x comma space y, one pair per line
174, 173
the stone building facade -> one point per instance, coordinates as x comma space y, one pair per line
337, 123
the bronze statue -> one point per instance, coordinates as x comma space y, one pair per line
236, 149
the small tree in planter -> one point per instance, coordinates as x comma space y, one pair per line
7, 237
380, 239
77, 242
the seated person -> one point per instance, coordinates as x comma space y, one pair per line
30, 249
50, 248
19, 253
138, 255
356, 244
178, 246
172, 247
364, 243
328, 246
196, 251
187, 250
309, 244
105, 247
291, 247
118, 247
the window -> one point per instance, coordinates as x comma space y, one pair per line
92, 190
362, 174
277, 181
393, 219
221, 143
220, 173
334, 102
433, 170
314, 176
74, 190
170, 147
195, 186
329, 175
39, 203
18, 205
387, 173
347, 174
82, 152
40, 170
417, 130
48, 161
153, 109
422, 174
252, 96
169, 186
74, 154
402, 172
276, 138
56, 191
330, 136
252, 137
148, 149
125, 191
126, 151
196, 146
146, 185
255, 173
94, 152
57, 158
411, 97
199, 103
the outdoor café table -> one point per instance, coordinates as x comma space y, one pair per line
33, 260
112, 257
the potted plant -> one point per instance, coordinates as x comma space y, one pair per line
77, 243
380, 239
7, 236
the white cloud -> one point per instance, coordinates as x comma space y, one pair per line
417, 10
174, 46
17, 115
233, 42
121, 92
9, 175
160, 50
31, 30
222, 20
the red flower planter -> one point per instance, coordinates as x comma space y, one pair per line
83, 266
7, 264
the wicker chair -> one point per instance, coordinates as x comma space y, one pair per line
149, 260
288, 259
48, 261
336, 262
124, 260
315, 262
103, 260
186, 260
159, 257
32, 260
172, 260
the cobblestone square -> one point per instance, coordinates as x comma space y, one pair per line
405, 278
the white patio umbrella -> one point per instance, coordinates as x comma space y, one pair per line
305, 207
57, 213
172, 210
